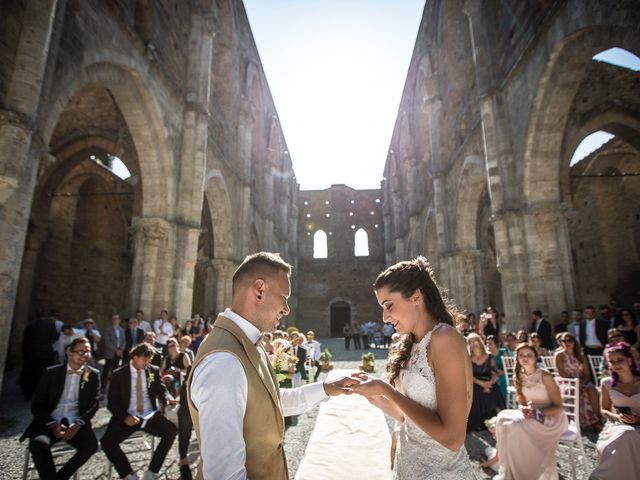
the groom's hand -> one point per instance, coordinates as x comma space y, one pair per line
342, 386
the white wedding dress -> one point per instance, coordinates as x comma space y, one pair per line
418, 456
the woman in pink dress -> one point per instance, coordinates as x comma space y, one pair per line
527, 438
571, 363
618, 445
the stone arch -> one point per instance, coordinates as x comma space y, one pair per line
142, 114
219, 204
472, 184
557, 86
430, 238
336, 319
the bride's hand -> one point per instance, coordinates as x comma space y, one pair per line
372, 387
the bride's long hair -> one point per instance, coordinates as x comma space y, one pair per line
404, 278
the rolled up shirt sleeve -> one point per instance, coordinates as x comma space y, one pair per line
219, 391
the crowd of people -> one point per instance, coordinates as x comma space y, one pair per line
527, 437
146, 365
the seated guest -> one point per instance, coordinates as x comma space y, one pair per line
150, 339
487, 398
133, 335
133, 394
615, 337
536, 342
493, 346
522, 337
65, 401
174, 366
185, 343
628, 328
618, 444
67, 335
527, 438
571, 363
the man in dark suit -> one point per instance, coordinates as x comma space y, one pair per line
301, 354
133, 335
113, 344
37, 352
65, 401
543, 328
593, 332
133, 394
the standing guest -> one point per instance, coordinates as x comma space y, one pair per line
576, 323
313, 353
301, 359
37, 353
487, 398
65, 401
187, 328
497, 352
618, 444
543, 328
134, 393
613, 321
197, 331
142, 323
94, 336
490, 324
163, 330
527, 438
150, 339
114, 344
173, 320
185, 342
174, 366
347, 332
387, 332
133, 335
628, 328
364, 335
562, 325
593, 332
472, 322
236, 405
67, 335
571, 363
356, 336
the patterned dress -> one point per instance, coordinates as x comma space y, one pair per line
418, 456
574, 368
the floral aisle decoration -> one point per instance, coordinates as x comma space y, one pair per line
325, 360
368, 362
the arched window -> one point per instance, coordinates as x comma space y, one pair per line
619, 57
590, 144
320, 244
361, 244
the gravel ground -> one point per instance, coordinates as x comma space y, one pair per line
15, 415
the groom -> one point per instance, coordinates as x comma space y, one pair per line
237, 408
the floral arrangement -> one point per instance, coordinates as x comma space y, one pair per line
326, 356
368, 362
368, 357
282, 362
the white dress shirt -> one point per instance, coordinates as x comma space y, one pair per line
163, 331
146, 402
68, 404
591, 339
219, 391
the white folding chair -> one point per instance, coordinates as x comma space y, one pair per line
595, 363
570, 391
508, 363
549, 363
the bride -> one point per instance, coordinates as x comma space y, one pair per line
430, 382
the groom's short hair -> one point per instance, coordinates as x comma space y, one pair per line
259, 265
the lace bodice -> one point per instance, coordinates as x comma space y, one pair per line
418, 455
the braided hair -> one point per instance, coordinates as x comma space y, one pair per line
517, 369
407, 277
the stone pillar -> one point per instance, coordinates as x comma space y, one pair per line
440, 206
223, 273
148, 234
245, 126
20, 152
185, 263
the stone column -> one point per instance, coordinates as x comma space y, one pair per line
148, 234
185, 263
245, 126
223, 269
20, 152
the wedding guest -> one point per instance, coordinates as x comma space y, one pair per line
150, 339
94, 336
593, 332
563, 323
472, 322
301, 355
185, 342
491, 324
571, 363
543, 328
67, 335
497, 352
527, 438
522, 336
142, 323
134, 393
163, 330
429, 362
512, 343
347, 333
487, 398
187, 328
536, 342
618, 444
175, 366
197, 330
65, 401
37, 352
575, 325
387, 331
357, 345
313, 353
173, 320
236, 404
114, 344
364, 335
628, 328
133, 335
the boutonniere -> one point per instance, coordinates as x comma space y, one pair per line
151, 377
85, 377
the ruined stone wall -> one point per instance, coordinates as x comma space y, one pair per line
339, 211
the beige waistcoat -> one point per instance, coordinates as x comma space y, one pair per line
263, 423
